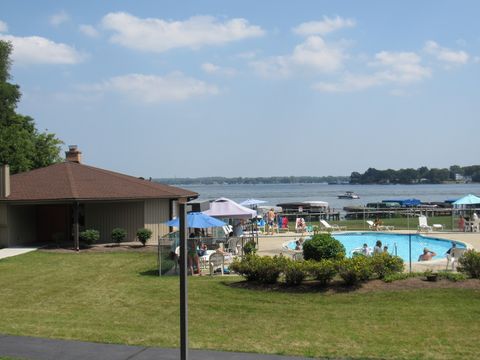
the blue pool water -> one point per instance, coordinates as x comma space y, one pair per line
354, 240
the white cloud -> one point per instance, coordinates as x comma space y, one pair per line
59, 18
88, 30
446, 55
155, 89
3, 27
39, 50
398, 68
210, 68
313, 53
326, 26
158, 35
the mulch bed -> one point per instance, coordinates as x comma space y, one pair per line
102, 248
370, 286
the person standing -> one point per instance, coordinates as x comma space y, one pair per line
271, 220
461, 223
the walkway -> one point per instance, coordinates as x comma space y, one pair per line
30, 348
13, 251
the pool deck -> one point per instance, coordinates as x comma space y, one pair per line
272, 245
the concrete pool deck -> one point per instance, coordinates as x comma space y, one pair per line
272, 245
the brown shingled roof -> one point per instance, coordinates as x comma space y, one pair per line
74, 181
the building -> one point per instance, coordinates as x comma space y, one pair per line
56, 202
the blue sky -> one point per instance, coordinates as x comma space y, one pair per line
251, 88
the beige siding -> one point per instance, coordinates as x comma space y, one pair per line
107, 216
21, 222
156, 215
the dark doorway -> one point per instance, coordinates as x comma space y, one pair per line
54, 223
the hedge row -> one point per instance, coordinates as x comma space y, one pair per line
267, 270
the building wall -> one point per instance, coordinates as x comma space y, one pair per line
21, 224
105, 217
156, 215
3, 226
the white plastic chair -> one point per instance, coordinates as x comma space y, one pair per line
423, 224
454, 256
215, 261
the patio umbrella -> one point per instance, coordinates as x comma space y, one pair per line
468, 200
226, 208
252, 202
198, 220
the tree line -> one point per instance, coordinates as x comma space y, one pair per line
254, 180
422, 175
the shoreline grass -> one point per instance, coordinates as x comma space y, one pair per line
103, 297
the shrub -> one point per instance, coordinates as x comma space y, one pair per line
323, 271
262, 269
323, 246
400, 276
452, 276
90, 236
354, 270
118, 235
469, 264
143, 235
384, 264
295, 272
249, 247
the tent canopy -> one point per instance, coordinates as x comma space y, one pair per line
468, 200
250, 202
226, 208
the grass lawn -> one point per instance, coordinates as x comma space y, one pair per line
109, 297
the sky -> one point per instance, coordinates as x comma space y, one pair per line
251, 88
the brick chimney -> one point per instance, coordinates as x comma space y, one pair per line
73, 154
4, 181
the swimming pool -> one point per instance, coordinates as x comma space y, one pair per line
397, 243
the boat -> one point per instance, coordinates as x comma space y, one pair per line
349, 195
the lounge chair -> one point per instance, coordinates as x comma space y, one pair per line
423, 224
454, 256
326, 226
372, 226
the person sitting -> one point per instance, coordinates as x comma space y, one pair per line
427, 255
385, 249
298, 245
377, 249
377, 223
300, 225
203, 250
366, 250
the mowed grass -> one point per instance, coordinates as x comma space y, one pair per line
109, 297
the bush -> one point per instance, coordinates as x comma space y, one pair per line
143, 235
469, 264
385, 264
452, 276
323, 271
400, 276
295, 272
249, 247
323, 246
354, 270
118, 235
262, 269
90, 236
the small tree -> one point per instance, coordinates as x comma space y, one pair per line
143, 235
118, 235
90, 236
323, 246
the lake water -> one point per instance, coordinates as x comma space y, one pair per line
278, 193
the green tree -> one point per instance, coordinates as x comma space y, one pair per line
22, 146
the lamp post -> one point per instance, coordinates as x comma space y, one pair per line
183, 281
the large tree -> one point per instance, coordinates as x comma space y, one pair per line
22, 146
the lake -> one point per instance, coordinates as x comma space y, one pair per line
278, 193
